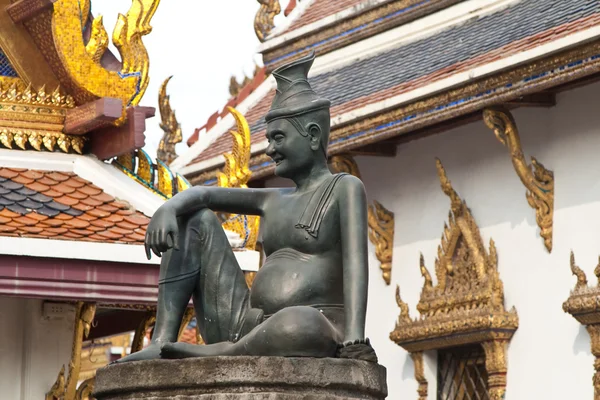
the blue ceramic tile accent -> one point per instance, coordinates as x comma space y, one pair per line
5, 68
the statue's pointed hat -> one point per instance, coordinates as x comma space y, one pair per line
294, 96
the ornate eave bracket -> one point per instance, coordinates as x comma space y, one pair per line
584, 305
466, 306
538, 180
380, 219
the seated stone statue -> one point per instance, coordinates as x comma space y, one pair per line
310, 296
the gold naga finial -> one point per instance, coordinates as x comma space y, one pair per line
578, 272
456, 203
264, 20
404, 312
171, 128
82, 61
538, 180
428, 285
236, 175
236, 172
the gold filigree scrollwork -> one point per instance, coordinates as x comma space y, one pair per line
264, 19
381, 234
85, 389
171, 128
137, 343
420, 374
34, 119
380, 219
467, 304
236, 175
417, 356
584, 305
66, 388
82, 61
538, 180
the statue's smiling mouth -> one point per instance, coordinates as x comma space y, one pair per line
278, 160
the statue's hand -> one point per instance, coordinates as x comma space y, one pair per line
162, 232
357, 350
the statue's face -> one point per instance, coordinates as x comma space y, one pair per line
290, 150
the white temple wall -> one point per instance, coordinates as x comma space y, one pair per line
33, 349
549, 356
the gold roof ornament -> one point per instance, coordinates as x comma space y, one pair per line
538, 180
236, 174
467, 304
584, 305
171, 128
83, 73
264, 19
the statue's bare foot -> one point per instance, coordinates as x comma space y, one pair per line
186, 350
152, 352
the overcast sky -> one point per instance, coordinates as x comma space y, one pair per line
200, 43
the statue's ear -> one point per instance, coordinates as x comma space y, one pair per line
314, 135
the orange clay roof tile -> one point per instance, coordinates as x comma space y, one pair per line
74, 183
22, 179
68, 200
139, 220
101, 223
7, 173
91, 202
47, 181
77, 223
6, 228
32, 174
108, 207
103, 197
114, 218
120, 231
78, 195
57, 176
87, 217
98, 212
126, 225
83, 207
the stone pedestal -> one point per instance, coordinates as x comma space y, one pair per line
242, 378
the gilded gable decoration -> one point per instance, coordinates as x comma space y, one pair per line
380, 219
538, 180
35, 119
584, 305
58, 32
236, 174
170, 126
466, 306
264, 19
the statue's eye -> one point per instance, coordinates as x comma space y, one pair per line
278, 138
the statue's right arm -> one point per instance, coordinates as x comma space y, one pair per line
163, 231
230, 200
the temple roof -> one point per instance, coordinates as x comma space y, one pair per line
62, 205
422, 60
319, 9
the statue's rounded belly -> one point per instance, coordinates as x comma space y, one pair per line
292, 282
